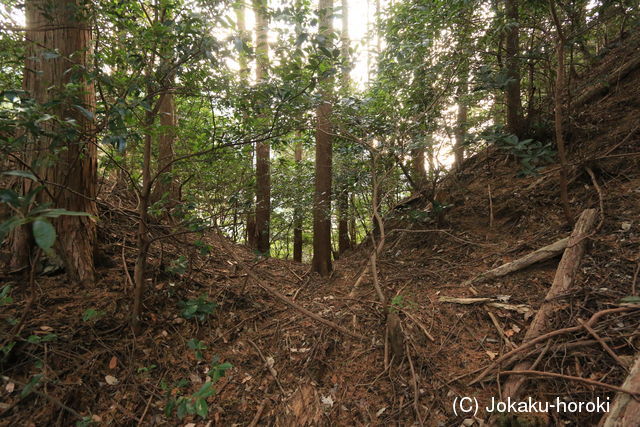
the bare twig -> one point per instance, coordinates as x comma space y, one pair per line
545, 337
256, 417
604, 345
600, 198
572, 378
280, 297
268, 365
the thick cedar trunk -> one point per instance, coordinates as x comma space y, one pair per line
62, 27
297, 215
512, 64
263, 150
165, 183
321, 262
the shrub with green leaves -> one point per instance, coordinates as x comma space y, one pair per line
27, 211
197, 308
196, 404
532, 154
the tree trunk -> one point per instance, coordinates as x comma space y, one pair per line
321, 262
461, 124
344, 243
353, 231
559, 117
250, 223
512, 64
625, 410
297, 213
142, 237
165, 183
263, 150
62, 27
417, 165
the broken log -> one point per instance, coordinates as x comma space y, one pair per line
562, 283
539, 255
603, 87
625, 410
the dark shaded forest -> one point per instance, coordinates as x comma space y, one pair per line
319, 213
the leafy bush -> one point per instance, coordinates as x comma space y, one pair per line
27, 211
195, 404
198, 308
531, 154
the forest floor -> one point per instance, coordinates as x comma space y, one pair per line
289, 369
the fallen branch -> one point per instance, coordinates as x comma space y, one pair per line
603, 87
280, 297
604, 345
490, 302
418, 324
269, 366
572, 378
600, 197
465, 301
542, 338
542, 254
562, 283
500, 330
256, 417
625, 411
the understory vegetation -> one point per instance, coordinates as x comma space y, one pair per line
304, 213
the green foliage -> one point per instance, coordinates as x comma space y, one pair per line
26, 211
196, 403
632, 299
532, 154
197, 346
177, 266
28, 388
146, 369
218, 370
91, 314
5, 298
197, 308
37, 339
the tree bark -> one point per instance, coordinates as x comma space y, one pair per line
263, 150
321, 261
539, 255
297, 213
63, 27
559, 99
166, 183
512, 64
562, 283
420, 177
625, 410
461, 127
250, 223
344, 242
